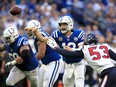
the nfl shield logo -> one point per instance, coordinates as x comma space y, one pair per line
60, 38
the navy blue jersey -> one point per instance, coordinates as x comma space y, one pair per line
50, 54
72, 41
14, 51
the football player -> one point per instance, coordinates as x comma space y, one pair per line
51, 60
67, 36
23, 59
97, 56
72, 38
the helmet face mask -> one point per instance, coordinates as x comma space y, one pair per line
30, 34
33, 24
91, 39
63, 27
8, 40
10, 34
69, 24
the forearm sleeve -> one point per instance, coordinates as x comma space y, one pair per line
112, 54
70, 54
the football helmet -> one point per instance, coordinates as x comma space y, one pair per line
68, 20
91, 38
10, 34
33, 24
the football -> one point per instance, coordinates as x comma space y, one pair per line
15, 11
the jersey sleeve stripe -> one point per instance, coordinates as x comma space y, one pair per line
20, 40
52, 34
44, 34
55, 34
81, 34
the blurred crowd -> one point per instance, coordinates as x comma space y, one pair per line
92, 16
96, 16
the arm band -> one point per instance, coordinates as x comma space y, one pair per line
70, 54
25, 54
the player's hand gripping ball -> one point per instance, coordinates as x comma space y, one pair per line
15, 11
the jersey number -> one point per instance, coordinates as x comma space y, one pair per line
70, 44
13, 56
98, 55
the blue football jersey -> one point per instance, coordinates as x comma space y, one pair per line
14, 51
72, 41
50, 54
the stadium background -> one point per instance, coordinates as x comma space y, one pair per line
92, 16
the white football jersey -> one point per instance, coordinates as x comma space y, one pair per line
97, 56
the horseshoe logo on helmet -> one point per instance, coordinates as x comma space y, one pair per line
11, 30
36, 24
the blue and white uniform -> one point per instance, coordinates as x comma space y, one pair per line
51, 65
28, 64
72, 65
72, 41
28, 68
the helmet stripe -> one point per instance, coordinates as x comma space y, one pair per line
36, 24
69, 19
61, 19
81, 34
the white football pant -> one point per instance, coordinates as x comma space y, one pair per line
49, 73
16, 75
74, 74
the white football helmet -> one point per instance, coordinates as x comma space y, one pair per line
33, 24
10, 34
68, 20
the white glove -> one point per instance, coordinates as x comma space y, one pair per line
8, 65
52, 43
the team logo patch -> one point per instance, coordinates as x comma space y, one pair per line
75, 39
60, 39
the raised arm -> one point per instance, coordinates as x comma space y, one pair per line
37, 34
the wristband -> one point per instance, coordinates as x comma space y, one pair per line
13, 62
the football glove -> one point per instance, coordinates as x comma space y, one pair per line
8, 65
52, 43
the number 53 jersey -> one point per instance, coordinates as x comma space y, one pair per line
97, 56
